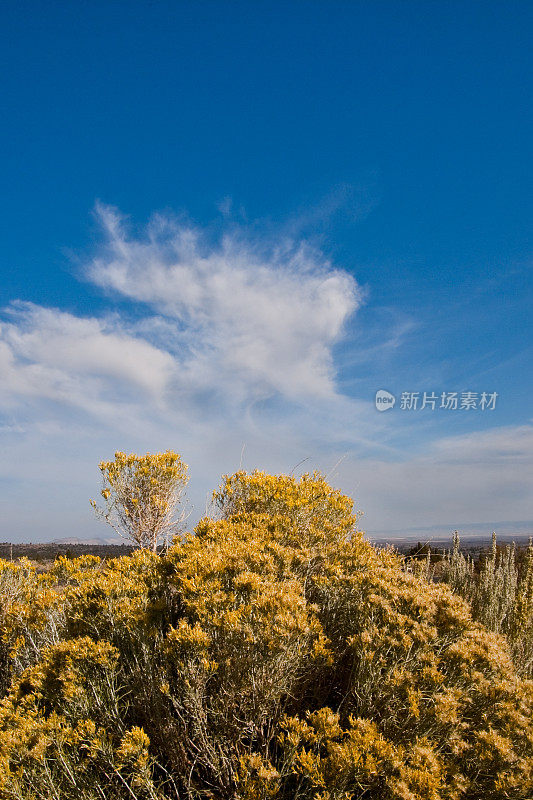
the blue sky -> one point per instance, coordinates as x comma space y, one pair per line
229, 224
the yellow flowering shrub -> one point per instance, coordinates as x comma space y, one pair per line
141, 495
32, 615
309, 504
63, 729
274, 653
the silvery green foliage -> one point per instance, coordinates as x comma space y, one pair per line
500, 593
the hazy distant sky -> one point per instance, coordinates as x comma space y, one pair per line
226, 225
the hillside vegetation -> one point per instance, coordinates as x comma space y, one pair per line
274, 653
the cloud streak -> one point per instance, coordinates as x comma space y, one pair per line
84, 362
475, 477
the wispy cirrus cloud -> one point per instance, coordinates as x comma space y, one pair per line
228, 323
258, 317
85, 362
475, 477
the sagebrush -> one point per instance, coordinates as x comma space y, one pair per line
499, 590
274, 653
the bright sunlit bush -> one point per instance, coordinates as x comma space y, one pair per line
272, 654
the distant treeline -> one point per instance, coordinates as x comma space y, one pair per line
48, 551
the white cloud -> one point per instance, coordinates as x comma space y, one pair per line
471, 478
260, 321
84, 362
499, 446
